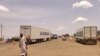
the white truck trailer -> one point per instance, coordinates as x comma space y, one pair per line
87, 35
35, 34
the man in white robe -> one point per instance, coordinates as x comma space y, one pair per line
23, 45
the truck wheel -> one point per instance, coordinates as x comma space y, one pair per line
29, 41
48, 39
84, 41
37, 41
94, 42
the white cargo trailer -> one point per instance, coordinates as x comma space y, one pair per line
35, 34
87, 35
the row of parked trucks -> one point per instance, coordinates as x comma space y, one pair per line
86, 35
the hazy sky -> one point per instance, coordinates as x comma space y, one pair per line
60, 16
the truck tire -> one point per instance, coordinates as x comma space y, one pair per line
48, 39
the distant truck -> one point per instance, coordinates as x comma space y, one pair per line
35, 34
54, 36
87, 35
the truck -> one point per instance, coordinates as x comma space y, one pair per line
54, 36
98, 35
35, 34
87, 35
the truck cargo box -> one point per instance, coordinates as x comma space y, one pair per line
35, 33
87, 33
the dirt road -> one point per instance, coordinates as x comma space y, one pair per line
52, 48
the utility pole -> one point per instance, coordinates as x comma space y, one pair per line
1, 31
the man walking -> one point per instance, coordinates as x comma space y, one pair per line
23, 45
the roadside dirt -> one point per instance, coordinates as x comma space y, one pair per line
52, 48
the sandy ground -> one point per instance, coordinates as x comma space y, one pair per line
52, 48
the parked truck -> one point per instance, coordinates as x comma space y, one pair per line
54, 36
35, 34
98, 35
87, 35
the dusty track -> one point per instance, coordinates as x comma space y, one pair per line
53, 48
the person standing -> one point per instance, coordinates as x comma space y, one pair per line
23, 45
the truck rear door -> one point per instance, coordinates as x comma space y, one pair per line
25, 30
87, 32
94, 32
